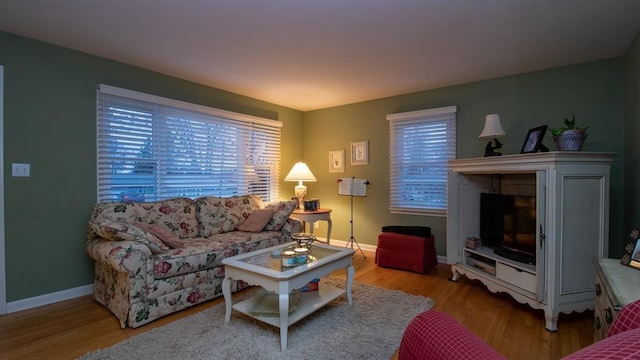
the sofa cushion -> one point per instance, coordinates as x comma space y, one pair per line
198, 254
257, 220
164, 234
220, 215
120, 230
282, 210
205, 253
177, 214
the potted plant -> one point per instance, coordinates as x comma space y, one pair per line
570, 137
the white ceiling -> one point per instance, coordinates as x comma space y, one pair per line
312, 54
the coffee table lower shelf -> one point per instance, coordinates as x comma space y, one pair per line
308, 303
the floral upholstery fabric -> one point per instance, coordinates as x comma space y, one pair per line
120, 230
177, 215
139, 285
202, 253
282, 210
221, 215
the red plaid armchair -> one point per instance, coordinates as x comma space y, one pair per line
437, 336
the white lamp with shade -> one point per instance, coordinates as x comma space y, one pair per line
300, 172
492, 129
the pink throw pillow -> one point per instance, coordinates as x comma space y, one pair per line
165, 235
257, 220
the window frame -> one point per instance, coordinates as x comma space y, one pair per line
404, 125
185, 149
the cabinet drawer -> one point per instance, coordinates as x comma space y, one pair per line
600, 330
604, 309
517, 277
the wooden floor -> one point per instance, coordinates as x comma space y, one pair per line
68, 329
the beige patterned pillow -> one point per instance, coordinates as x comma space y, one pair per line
282, 210
119, 231
221, 215
176, 214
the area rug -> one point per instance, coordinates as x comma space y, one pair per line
371, 328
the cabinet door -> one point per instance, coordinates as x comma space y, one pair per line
582, 210
541, 234
463, 202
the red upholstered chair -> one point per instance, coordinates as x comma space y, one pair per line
435, 335
625, 345
628, 318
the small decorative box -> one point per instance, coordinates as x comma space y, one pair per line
314, 285
473, 243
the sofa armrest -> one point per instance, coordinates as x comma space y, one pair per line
129, 257
292, 226
627, 319
435, 335
624, 345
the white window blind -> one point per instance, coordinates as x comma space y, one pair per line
151, 148
420, 145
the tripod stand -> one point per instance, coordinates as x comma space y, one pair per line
352, 240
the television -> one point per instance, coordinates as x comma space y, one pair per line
508, 225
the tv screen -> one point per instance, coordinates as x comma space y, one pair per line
508, 224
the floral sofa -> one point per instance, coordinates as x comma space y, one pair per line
156, 258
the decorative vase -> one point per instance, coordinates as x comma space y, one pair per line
570, 140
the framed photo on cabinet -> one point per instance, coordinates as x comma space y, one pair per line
631, 256
533, 141
360, 152
336, 161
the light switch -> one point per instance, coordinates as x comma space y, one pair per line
20, 170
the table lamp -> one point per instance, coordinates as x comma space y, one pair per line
300, 172
492, 129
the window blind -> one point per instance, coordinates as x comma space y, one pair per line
420, 145
151, 148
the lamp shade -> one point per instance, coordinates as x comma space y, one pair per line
300, 172
492, 127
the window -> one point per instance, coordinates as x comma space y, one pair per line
151, 148
420, 145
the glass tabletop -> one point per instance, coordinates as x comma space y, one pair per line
274, 261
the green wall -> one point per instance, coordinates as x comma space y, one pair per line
593, 91
632, 130
49, 122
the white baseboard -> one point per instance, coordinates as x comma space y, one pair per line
372, 248
47, 299
365, 247
62, 295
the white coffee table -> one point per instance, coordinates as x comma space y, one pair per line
261, 268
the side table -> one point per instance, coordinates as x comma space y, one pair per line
616, 286
313, 216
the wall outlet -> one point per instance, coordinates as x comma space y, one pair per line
20, 170
316, 225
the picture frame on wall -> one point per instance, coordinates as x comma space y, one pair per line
533, 141
360, 152
631, 256
336, 161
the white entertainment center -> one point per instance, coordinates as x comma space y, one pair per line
571, 190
